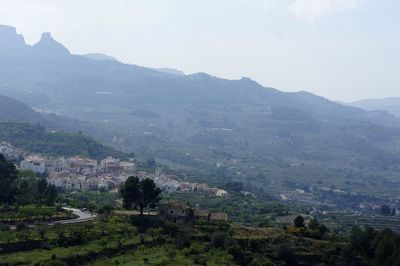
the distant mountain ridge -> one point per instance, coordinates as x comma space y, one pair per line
200, 85
226, 128
99, 57
390, 104
171, 71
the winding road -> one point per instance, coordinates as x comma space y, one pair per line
82, 217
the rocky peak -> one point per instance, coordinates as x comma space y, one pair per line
9, 37
49, 46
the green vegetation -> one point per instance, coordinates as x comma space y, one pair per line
146, 240
299, 221
150, 241
240, 208
373, 247
124, 238
34, 213
8, 177
24, 187
91, 200
37, 139
140, 194
24, 197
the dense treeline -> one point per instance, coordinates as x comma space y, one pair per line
23, 188
373, 247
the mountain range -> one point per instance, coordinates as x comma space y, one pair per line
390, 104
226, 129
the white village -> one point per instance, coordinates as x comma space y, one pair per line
86, 174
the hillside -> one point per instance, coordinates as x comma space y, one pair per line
391, 105
119, 240
37, 139
99, 57
228, 129
12, 110
21, 126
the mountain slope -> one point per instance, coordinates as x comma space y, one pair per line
12, 110
99, 57
226, 128
37, 139
21, 126
391, 105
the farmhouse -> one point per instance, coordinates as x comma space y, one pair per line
175, 210
179, 211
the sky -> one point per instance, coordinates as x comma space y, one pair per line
340, 49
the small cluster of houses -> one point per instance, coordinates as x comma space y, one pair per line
171, 184
85, 174
10, 151
79, 173
185, 213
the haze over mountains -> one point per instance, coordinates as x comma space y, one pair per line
391, 105
23, 127
228, 128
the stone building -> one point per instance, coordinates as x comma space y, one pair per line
183, 212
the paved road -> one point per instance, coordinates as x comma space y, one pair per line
82, 217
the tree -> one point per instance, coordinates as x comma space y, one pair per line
299, 221
219, 239
24, 193
287, 254
8, 176
323, 229
41, 188
385, 210
130, 192
140, 194
234, 186
313, 224
150, 194
50, 195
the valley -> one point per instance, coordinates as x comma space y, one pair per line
168, 168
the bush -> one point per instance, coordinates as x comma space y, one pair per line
238, 255
182, 241
261, 262
53, 263
170, 228
4, 227
286, 253
299, 221
21, 226
219, 239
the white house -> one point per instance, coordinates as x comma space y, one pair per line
34, 163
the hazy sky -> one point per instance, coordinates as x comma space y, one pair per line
341, 49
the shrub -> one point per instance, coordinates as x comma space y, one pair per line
286, 253
238, 254
299, 221
219, 239
21, 226
4, 227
